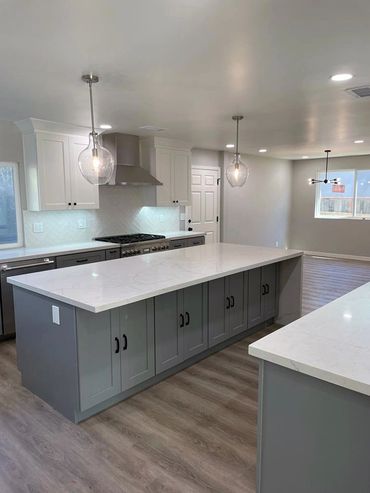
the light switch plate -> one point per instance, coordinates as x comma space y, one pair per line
38, 227
82, 223
55, 314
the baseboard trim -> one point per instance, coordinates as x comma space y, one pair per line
336, 256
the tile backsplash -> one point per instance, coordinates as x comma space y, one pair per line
121, 211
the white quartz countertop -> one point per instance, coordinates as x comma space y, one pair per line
14, 254
24, 253
176, 235
106, 285
331, 343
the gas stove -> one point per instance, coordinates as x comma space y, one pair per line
138, 243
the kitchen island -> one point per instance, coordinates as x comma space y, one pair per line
92, 335
314, 401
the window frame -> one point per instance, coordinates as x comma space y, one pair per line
18, 206
354, 197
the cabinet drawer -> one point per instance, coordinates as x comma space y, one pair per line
178, 244
198, 240
80, 258
112, 253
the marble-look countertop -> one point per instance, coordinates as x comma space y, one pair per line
176, 235
25, 253
106, 285
331, 343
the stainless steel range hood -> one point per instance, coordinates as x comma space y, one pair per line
125, 151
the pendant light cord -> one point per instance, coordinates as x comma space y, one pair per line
237, 137
92, 114
327, 164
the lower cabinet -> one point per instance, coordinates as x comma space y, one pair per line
227, 307
262, 294
99, 358
180, 326
115, 351
136, 326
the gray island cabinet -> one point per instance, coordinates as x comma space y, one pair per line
314, 401
93, 335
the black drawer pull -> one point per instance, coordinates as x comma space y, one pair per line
263, 289
187, 318
82, 261
232, 301
182, 320
227, 303
117, 345
124, 342
267, 288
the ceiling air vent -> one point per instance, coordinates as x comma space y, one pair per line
359, 92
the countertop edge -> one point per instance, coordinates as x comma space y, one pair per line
181, 285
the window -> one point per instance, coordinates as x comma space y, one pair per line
10, 210
349, 199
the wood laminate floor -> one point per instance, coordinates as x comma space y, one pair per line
194, 432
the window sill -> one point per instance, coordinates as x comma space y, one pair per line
344, 217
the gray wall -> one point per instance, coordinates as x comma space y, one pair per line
258, 213
342, 236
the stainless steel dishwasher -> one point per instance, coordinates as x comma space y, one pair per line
7, 324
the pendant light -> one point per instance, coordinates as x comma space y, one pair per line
237, 173
334, 181
95, 162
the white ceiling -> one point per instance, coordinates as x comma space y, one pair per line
189, 65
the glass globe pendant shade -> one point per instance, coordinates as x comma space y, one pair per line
96, 162
237, 173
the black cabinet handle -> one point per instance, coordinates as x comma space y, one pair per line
263, 289
182, 320
187, 318
227, 303
82, 261
232, 301
124, 342
117, 345
267, 288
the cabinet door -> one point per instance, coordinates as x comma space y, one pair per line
217, 326
195, 328
269, 299
255, 306
98, 357
137, 342
84, 195
164, 175
168, 331
181, 177
236, 312
53, 171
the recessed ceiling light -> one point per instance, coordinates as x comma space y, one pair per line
358, 141
262, 150
105, 126
230, 146
304, 157
341, 77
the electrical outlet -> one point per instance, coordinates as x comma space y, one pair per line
55, 314
82, 223
277, 244
38, 227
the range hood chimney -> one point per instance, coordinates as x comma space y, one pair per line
125, 151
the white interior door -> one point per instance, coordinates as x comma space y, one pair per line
205, 198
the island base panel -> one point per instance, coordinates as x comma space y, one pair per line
289, 293
313, 436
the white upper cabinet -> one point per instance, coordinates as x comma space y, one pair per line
170, 162
53, 178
